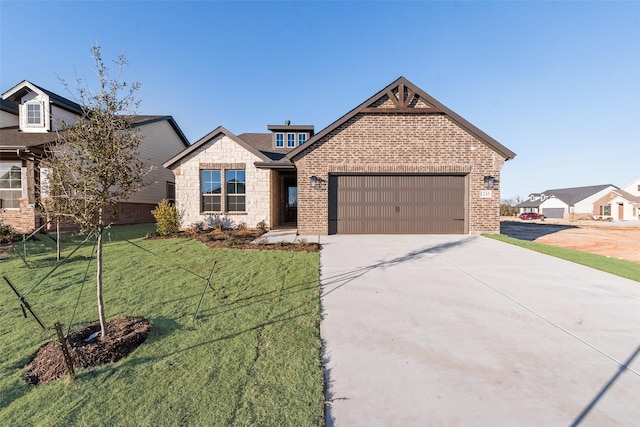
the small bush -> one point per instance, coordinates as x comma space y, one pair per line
261, 225
7, 233
168, 218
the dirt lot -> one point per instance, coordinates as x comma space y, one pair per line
616, 240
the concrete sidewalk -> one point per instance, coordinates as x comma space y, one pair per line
468, 331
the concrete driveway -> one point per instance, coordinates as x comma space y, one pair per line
468, 331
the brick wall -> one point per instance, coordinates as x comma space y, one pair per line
399, 143
22, 220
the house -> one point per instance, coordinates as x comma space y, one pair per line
620, 204
574, 202
30, 116
400, 162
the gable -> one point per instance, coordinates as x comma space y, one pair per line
403, 97
206, 141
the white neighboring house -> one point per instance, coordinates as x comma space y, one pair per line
566, 203
620, 204
31, 115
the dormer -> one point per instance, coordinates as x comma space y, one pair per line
40, 110
288, 136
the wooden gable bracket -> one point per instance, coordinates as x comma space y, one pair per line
401, 104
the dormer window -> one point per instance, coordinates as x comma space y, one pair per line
291, 140
302, 138
34, 114
279, 140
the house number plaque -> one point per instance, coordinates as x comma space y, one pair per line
485, 194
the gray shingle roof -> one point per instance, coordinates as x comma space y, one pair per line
573, 195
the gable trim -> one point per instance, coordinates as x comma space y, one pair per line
206, 139
412, 90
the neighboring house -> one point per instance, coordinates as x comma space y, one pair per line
30, 118
566, 203
620, 204
400, 162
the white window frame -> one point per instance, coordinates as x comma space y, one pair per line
291, 140
302, 138
279, 140
40, 116
11, 182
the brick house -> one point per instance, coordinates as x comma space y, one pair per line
400, 162
30, 117
620, 204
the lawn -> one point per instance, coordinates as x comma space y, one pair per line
622, 268
251, 357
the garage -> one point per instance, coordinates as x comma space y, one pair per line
397, 204
553, 212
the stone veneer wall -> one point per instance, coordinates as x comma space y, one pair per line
399, 143
222, 153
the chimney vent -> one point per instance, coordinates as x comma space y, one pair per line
287, 122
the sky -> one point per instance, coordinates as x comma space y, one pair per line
558, 83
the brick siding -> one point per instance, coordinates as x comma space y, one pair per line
398, 143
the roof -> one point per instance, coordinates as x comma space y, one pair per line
530, 203
25, 86
8, 106
11, 138
263, 142
438, 107
627, 196
573, 195
206, 139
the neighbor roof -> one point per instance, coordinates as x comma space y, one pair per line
11, 138
575, 194
25, 86
492, 143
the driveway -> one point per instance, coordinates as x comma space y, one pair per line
468, 331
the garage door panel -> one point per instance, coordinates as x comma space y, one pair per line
396, 204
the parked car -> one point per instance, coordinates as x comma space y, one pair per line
531, 215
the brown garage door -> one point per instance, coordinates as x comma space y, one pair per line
397, 204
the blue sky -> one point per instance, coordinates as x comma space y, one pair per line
556, 82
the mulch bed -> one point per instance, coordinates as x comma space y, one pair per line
241, 239
123, 336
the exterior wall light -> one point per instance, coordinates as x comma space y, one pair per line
489, 182
313, 180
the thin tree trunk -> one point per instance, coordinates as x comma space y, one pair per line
58, 239
103, 321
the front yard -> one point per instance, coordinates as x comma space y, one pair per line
251, 357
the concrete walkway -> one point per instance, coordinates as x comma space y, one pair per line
468, 331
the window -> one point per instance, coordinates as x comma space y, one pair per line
605, 210
34, 116
10, 185
171, 192
302, 138
211, 190
279, 140
291, 140
236, 191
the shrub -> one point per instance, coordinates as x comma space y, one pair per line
261, 225
7, 233
168, 218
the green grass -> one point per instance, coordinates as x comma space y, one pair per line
252, 356
622, 268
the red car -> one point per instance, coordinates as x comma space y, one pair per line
531, 215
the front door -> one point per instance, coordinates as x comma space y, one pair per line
620, 211
290, 193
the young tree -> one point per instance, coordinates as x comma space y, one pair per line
95, 161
